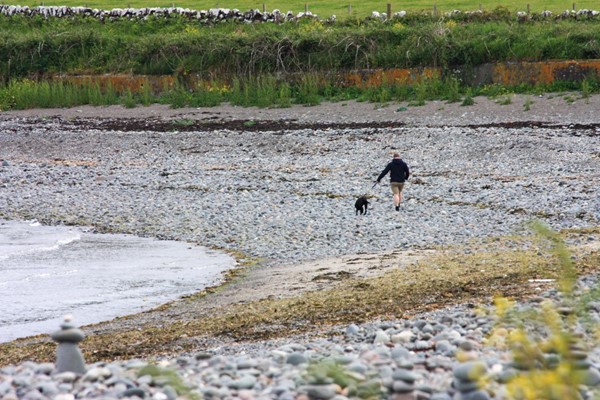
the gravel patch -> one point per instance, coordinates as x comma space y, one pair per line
286, 197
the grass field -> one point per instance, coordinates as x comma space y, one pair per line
326, 8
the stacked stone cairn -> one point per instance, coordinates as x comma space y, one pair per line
68, 355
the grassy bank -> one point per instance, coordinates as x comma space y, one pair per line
475, 273
37, 48
275, 65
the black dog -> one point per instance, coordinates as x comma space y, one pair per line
361, 205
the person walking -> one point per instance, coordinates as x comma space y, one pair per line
399, 173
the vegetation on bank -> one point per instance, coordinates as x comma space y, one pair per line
274, 64
268, 91
35, 47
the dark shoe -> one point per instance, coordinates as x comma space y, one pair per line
397, 208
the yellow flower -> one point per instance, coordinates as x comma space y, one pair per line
450, 25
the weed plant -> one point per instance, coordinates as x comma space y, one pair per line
421, 94
468, 100
452, 94
307, 92
146, 97
327, 371
166, 376
545, 340
128, 100
527, 104
505, 100
589, 86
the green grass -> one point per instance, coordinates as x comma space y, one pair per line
326, 8
34, 47
268, 91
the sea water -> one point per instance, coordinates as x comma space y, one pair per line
47, 272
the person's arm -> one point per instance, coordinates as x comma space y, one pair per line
406, 172
384, 172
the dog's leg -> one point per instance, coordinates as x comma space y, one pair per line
366, 208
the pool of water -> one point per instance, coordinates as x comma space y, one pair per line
47, 272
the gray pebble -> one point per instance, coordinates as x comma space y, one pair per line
321, 391
134, 392
296, 359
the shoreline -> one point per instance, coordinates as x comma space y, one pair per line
52, 271
81, 175
562, 109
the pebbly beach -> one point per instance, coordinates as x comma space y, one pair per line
276, 187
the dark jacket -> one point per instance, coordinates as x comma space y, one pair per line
398, 171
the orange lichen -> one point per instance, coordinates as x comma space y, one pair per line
123, 83
543, 72
510, 74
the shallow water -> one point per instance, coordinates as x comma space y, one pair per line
47, 272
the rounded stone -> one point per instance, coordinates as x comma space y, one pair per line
296, 359
475, 395
578, 355
405, 336
202, 356
134, 392
467, 345
170, 392
422, 345
440, 396
402, 387
352, 330
44, 368
159, 396
66, 377
245, 382
321, 391
49, 389
465, 386
405, 363
592, 377
399, 352
470, 371
427, 328
444, 347
68, 336
381, 338
404, 375
507, 375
